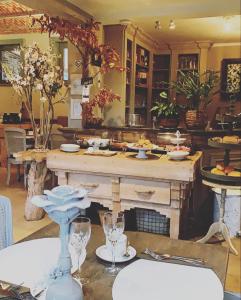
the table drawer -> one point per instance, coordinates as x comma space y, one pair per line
147, 191
99, 186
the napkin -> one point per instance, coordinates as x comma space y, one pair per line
42, 201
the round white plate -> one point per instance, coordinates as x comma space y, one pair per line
103, 253
177, 155
69, 147
175, 140
132, 147
29, 262
146, 279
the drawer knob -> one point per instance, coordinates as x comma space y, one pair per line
146, 193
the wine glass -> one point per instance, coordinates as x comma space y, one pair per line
113, 225
80, 231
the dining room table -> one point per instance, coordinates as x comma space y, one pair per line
100, 284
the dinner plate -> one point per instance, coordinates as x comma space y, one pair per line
30, 262
103, 253
147, 279
69, 147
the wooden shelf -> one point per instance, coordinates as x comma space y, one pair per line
159, 88
140, 107
159, 70
187, 69
141, 86
142, 66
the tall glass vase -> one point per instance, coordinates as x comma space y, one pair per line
42, 132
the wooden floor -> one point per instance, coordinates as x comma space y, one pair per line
22, 228
17, 194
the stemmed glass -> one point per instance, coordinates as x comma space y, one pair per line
80, 231
113, 224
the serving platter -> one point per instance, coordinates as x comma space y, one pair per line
225, 179
229, 146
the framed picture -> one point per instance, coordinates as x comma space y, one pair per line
230, 78
75, 109
76, 85
11, 58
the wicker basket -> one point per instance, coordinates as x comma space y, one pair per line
195, 119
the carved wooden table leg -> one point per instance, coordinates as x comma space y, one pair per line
36, 179
220, 226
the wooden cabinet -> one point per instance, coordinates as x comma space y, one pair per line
142, 78
148, 65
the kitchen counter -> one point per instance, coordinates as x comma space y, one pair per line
122, 182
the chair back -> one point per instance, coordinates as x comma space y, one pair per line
6, 229
15, 139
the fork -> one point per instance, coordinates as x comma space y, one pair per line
194, 261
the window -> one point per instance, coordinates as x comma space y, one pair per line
64, 59
9, 56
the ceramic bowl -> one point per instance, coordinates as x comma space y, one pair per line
177, 155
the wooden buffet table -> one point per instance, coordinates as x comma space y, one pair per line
122, 182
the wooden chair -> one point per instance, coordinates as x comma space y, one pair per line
6, 230
15, 139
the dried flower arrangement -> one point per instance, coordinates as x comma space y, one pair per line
38, 73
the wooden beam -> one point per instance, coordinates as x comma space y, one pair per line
61, 8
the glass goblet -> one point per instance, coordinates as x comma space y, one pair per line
80, 231
113, 225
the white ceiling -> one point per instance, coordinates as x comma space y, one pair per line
195, 20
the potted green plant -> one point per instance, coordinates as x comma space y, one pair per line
198, 89
167, 112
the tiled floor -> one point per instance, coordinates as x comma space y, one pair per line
22, 228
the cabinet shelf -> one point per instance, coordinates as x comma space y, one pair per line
160, 70
142, 66
141, 86
159, 88
140, 107
187, 69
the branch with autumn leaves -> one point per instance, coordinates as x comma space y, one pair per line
84, 38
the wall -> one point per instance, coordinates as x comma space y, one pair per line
215, 56
9, 101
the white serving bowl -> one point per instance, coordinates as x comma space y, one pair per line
69, 147
177, 155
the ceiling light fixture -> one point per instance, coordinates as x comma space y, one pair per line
172, 25
158, 25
